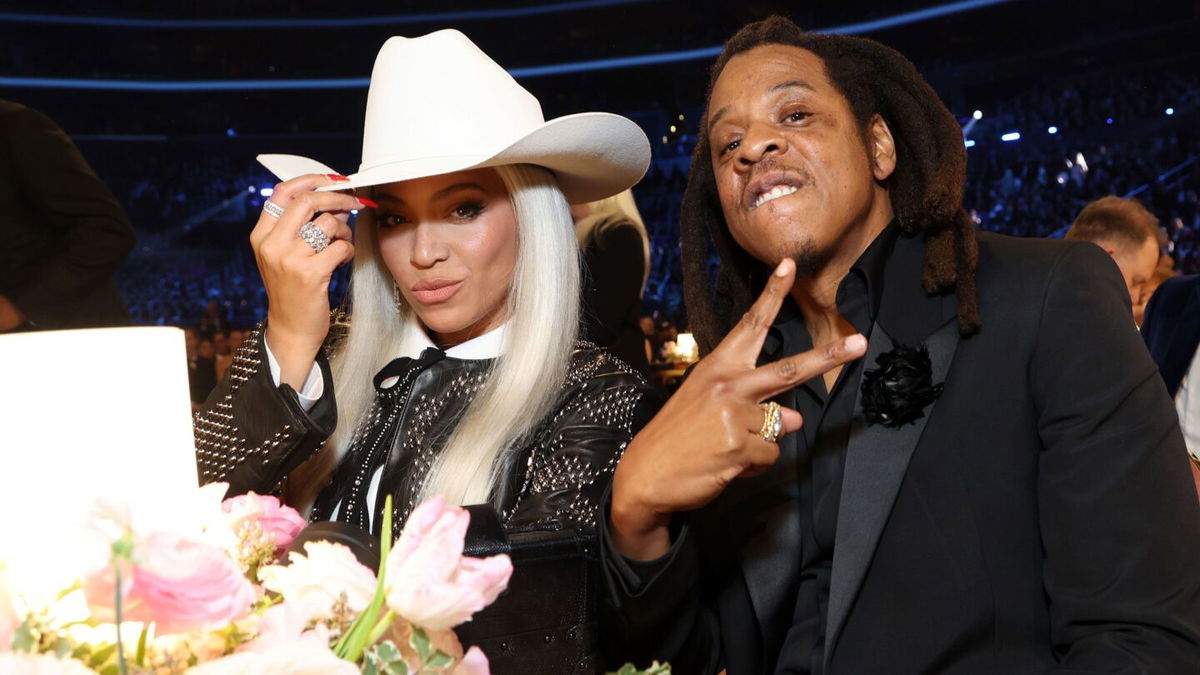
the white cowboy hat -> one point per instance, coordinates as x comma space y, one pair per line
438, 104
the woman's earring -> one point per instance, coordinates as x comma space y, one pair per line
397, 299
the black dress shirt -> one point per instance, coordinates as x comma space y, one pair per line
821, 449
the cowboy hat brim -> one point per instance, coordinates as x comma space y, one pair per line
593, 156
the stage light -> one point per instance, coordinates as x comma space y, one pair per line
664, 140
252, 189
1108, 120
969, 143
681, 118
1079, 160
1170, 111
672, 128
231, 132
1011, 136
978, 114
1052, 130
266, 192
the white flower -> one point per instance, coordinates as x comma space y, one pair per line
19, 663
320, 577
301, 658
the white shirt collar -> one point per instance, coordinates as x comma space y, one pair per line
487, 346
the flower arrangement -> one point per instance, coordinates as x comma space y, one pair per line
228, 598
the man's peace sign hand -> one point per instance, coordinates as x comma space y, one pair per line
708, 433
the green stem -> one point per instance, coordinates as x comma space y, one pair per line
124, 668
381, 627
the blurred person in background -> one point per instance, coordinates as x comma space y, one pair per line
1172, 333
64, 232
1127, 232
1160, 275
616, 265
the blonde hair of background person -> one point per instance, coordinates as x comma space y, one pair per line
542, 314
610, 212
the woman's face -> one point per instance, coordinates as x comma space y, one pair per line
450, 243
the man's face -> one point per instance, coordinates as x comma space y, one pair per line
1137, 265
795, 176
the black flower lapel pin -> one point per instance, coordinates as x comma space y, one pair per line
898, 391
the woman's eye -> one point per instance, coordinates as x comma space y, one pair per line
467, 211
797, 116
391, 220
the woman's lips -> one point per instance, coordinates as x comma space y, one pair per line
434, 292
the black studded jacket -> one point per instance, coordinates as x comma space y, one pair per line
252, 433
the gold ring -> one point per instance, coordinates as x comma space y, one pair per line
772, 425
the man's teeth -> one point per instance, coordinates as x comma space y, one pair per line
774, 193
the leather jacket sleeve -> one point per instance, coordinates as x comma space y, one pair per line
252, 433
569, 467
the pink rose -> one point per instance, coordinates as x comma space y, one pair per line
325, 573
21, 663
474, 662
182, 584
279, 521
8, 616
429, 581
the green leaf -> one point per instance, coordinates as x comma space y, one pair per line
439, 660
387, 651
102, 655
112, 669
141, 645
420, 642
369, 667
25, 638
397, 668
63, 648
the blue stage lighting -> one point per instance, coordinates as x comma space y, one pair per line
252, 189
231, 132
1052, 130
1011, 136
969, 143
1108, 120
266, 192
978, 114
1170, 111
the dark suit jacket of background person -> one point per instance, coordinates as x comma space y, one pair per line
64, 233
614, 269
1172, 328
1038, 519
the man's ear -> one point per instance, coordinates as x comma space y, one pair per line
883, 148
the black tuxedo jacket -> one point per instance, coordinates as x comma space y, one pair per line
1172, 328
63, 232
1040, 518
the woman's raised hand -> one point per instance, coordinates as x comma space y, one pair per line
708, 433
295, 274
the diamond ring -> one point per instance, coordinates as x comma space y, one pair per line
314, 237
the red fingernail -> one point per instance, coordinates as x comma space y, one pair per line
367, 202
337, 177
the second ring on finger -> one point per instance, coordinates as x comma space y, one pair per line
319, 232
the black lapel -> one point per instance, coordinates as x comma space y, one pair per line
770, 557
876, 456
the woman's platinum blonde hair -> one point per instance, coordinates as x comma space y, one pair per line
522, 387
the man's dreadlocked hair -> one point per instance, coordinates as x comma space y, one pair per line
926, 186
